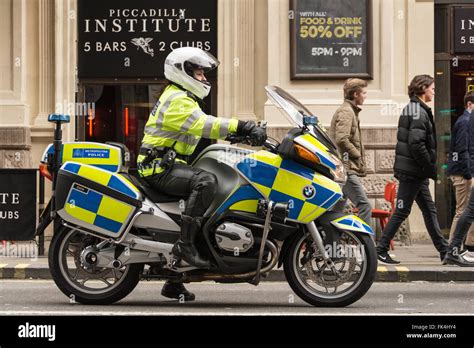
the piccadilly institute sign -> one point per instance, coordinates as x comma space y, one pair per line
130, 39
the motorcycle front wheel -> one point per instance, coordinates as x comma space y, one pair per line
71, 263
338, 283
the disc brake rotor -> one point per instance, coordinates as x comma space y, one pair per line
324, 276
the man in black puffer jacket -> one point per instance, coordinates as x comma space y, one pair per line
415, 164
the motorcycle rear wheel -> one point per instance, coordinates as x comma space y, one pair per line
67, 250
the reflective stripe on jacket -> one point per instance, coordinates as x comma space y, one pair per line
177, 121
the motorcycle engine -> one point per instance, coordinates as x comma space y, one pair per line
234, 237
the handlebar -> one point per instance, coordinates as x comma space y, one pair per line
238, 139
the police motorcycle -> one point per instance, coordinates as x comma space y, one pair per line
272, 208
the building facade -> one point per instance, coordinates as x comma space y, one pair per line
42, 40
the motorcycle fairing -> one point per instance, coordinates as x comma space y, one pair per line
282, 180
244, 198
352, 223
310, 143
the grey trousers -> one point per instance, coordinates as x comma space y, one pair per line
354, 190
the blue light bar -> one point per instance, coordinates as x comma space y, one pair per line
58, 118
310, 120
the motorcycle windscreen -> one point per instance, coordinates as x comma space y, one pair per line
308, 193
294, 111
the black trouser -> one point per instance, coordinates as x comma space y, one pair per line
182, 180
463, 225
413, 189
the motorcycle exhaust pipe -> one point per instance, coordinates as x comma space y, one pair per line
215, 277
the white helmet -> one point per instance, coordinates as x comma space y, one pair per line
180, 64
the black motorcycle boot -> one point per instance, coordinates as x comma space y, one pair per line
177, 291
184, 248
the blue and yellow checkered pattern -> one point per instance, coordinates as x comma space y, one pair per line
282, 180
245, 198
352, 223
114, 181
96, 210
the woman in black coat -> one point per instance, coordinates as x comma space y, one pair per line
415, 164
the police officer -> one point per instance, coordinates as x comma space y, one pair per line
172, 132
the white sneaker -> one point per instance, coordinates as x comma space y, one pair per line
468, 256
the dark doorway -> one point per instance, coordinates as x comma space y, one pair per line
454, 77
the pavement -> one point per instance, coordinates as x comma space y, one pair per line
419, 262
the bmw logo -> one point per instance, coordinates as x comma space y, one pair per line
309, 191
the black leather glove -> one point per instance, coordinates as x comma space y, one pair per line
245, 127
257, 135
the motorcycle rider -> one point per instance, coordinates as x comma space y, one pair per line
172, 133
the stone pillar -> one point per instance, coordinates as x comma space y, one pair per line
15, 140
236, 52
46, 60
65, 84
244, 58
15, 145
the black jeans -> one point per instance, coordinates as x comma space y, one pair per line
182, 180
413, 189
463, 225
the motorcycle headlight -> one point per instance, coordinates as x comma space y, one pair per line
339, 173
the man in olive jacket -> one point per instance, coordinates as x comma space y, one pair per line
345, 132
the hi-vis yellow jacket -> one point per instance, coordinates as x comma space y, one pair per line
177, 121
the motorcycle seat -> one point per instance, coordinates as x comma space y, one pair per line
154, 195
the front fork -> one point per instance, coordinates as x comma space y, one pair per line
318, 241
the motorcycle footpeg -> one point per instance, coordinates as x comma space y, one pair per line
177, 262
173, 262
